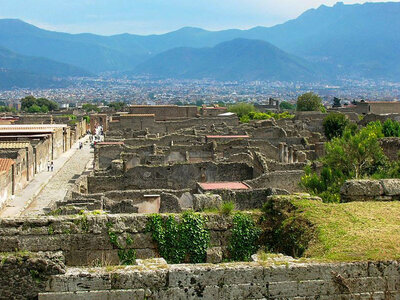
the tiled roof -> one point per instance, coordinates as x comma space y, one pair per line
5, 164
236, 185
14, 145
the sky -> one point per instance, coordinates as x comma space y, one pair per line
109, 17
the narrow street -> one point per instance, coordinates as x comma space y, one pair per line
48, 187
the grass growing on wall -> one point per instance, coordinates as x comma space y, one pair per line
354, 231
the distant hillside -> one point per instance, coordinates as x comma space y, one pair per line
80, 50
10, 79
41, 66
346, 40
240, 59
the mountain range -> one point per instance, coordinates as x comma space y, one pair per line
343, 41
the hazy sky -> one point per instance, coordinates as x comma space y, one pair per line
155, 16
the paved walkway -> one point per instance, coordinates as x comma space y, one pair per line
47, 187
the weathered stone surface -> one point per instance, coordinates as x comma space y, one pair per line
364, 187
206, 201
370, 190
214, 255
391, 187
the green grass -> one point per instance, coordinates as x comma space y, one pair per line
353, 231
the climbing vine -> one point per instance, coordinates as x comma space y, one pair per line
126, 256
183, 241
244, 239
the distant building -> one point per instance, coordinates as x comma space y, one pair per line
273, 105
213, 111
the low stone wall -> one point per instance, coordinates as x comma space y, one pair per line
84, 239
263, 280
370, 190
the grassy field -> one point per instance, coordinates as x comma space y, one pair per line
352, 231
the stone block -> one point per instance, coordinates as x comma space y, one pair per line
391, 187
214, 255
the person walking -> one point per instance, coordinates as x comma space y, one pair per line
52, 166
48, 166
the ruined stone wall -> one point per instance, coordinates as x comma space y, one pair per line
391, 147
84, 239
253, 280
25, 275
285, 180
165, 112
177, 176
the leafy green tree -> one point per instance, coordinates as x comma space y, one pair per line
309, 102
284, 105
44, 104
334, 125
352, 156
90, 107
391, 128
336, 102
34, 108
241, 109
44, 109
118, 105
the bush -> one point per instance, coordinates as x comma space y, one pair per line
334, 125
244, 239
309, 102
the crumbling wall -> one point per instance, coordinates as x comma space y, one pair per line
25, 275
177, 176
84, 240
285, 180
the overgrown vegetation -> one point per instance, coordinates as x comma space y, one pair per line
356, 154
183, 241
244, 240
227, 208
247, 112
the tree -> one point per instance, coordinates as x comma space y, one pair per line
34, 108
284, 105
90, 107
336, 102
241, 109
118, 105
309, 102
391, 128
352, 156
44, 104
334, 125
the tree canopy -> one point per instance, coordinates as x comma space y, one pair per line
310, 102
35, 105
286, 105
334, 125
